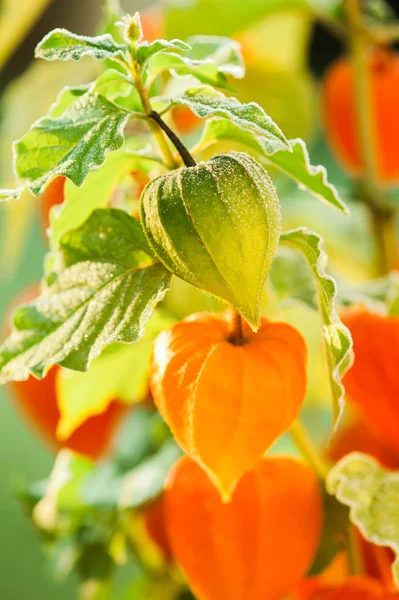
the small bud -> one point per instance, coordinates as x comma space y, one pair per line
133, 32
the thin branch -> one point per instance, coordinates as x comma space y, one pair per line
178, 144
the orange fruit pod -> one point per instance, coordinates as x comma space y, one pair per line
184, 119
359, 587
373, 381
258, 546
37, 401
358, 436
153, 23
340, 118
227, 402
154, 520
52, 195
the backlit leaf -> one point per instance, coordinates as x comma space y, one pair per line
295, 164
103, 289
61, 44
372, 493
121, 371
203, 70
72, 144
95, 193
246, 117
145, 50
336, 337
222, 51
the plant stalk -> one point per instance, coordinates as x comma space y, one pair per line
382, 217
353, 550
237, 335
308, 450
156, 130
176, 141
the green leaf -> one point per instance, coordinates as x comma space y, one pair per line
313, 179
61, 491
291, 278
144, 50
295, 164
9, 194
203, 70
107, 488
336, 522
209, 222
372, 493
112, 84
79, 202
61, 44
70, 145
103, 290
245, 117
121, 371
65, 98
140, 436
224, 52
336, 337
144, 483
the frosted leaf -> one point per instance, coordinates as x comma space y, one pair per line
336, 337
9, 195
372, 493
104, 288
245, 117
295, 164
71, 144
224, 52
61, 44
144, 50
203, 70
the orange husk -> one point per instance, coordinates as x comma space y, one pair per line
36, 400
258, 546
359, 587
227, 403
372, 383
340, 114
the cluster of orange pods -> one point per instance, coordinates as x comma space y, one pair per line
242, 525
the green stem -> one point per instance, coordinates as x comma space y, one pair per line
13, 28
156, 130
382, 217
384, 229
308, 450
354, 551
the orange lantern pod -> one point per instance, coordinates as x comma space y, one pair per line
153, 24
355, 588
154, 520
359, 437
373, 381
340, 117
258, 546
225, 401
184, 119
52, 195
37, 401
